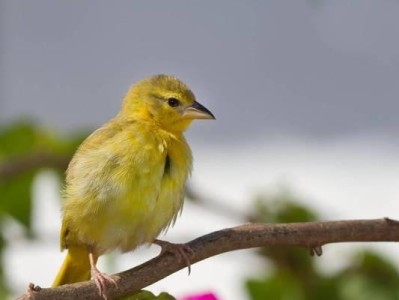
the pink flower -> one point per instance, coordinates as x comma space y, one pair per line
204, 296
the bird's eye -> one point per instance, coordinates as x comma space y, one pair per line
173, 102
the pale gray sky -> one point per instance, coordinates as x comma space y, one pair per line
315, 68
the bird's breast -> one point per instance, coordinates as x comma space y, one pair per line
130, 190
155, 191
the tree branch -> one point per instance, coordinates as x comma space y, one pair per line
32, 161
310, 235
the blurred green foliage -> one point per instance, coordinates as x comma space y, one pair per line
26, 148
292, 273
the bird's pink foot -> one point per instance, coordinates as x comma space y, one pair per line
181, 251
101, 279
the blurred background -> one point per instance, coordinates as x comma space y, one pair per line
306, 99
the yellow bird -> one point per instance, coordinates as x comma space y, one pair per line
125, 183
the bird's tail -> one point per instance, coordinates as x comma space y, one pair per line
75, 268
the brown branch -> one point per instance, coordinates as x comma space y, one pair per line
32, 161
311, 235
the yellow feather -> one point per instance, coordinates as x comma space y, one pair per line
126, 181
76, 267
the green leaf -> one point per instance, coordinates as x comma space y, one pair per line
276, 287
15, 197
17, 138
146, 295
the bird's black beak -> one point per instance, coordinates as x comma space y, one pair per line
197, 111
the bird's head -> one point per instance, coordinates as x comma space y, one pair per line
165, 101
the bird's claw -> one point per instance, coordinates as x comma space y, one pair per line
32, 289
181, 251
315, 250
101, 280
